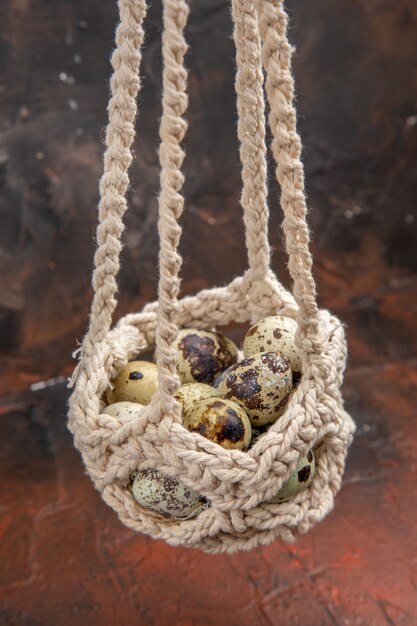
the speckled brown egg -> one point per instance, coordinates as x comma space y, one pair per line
166, 495
203, 354
118, 409
137, 382
221, 421
221, 375
260, 384
190, 394
274, 334
298, 481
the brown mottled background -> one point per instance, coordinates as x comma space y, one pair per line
65, 558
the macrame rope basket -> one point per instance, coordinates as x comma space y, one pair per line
237, 484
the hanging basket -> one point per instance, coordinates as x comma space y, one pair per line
237, 484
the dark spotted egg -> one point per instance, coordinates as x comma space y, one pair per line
137, 382
298, 481
221, 376
190, 394
261, 385
203, 354
274, 334
221, 421
166, 495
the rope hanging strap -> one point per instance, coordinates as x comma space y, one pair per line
276, 55
171, 202
254, 21
251, 134
124, 89
286, 148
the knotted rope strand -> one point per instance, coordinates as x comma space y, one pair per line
124, 88
251, 134
286, 148
171, 202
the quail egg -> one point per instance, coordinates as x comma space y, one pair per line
298, 481
190, 394
260, 384
118, 409
203, 354
221, 421
274, 334
221, 375
137, 382
166, 495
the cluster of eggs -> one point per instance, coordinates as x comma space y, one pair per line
227, 400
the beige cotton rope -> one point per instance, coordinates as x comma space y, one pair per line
237, 484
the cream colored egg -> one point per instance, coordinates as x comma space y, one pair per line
274, 334
166, 495
221, 421
298, 481
260, 384
118, 409
203, 354
137, 382
190, 394
258, 432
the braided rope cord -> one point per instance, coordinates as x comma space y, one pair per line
286, 148
251, 134
124, 88
171, 202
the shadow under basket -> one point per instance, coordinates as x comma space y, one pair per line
236, 484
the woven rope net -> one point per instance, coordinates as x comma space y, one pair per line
236, 483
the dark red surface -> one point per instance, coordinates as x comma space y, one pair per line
65, 559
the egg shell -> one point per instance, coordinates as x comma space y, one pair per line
221, 421
118, 409
221, 376
203, 354
166, 495
260, 384
298, 481
190, 394
261, 430
274, 334
137, 382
